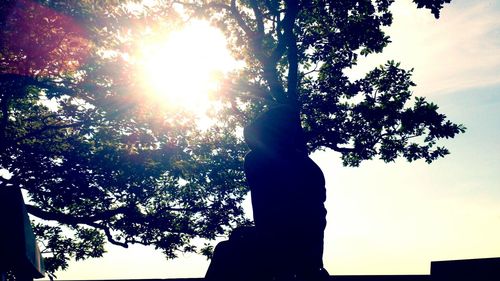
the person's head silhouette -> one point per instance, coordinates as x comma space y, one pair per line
277, 129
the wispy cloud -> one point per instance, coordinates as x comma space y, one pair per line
461, 50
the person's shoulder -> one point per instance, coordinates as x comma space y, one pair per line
258, 155
257, 161
253, 157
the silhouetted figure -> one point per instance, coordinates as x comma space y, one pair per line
288, 192
235, 259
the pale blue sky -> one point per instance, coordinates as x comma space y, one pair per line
396, 218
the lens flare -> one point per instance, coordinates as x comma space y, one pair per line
183, 68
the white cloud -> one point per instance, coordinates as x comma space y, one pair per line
460, 50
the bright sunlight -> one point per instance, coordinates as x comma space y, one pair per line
182, 68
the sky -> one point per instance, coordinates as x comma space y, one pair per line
396, 218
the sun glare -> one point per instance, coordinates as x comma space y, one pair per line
181, 69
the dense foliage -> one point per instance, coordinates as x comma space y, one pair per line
105, 163
93, 155
297, 53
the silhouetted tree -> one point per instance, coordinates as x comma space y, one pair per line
77, 134
297, 53
92, 154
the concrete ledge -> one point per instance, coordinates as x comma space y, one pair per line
332, 278
487, 269
380, 278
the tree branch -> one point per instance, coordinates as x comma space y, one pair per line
258, 18
239, 19
255, 38
93, 220
292, 9
72, 219
269, 66
46, 128
108, 234
18, 81
341, 149
104, 215
272, 7
280, 49
315, 69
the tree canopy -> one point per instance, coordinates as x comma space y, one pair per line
105, 164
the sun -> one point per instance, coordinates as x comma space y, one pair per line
182, 68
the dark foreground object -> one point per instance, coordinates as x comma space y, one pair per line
455, 270
19, 253
235, 259
473, 269
288, 193
487, 269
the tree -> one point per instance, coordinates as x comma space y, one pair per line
296, 53
93, 157
80, 139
